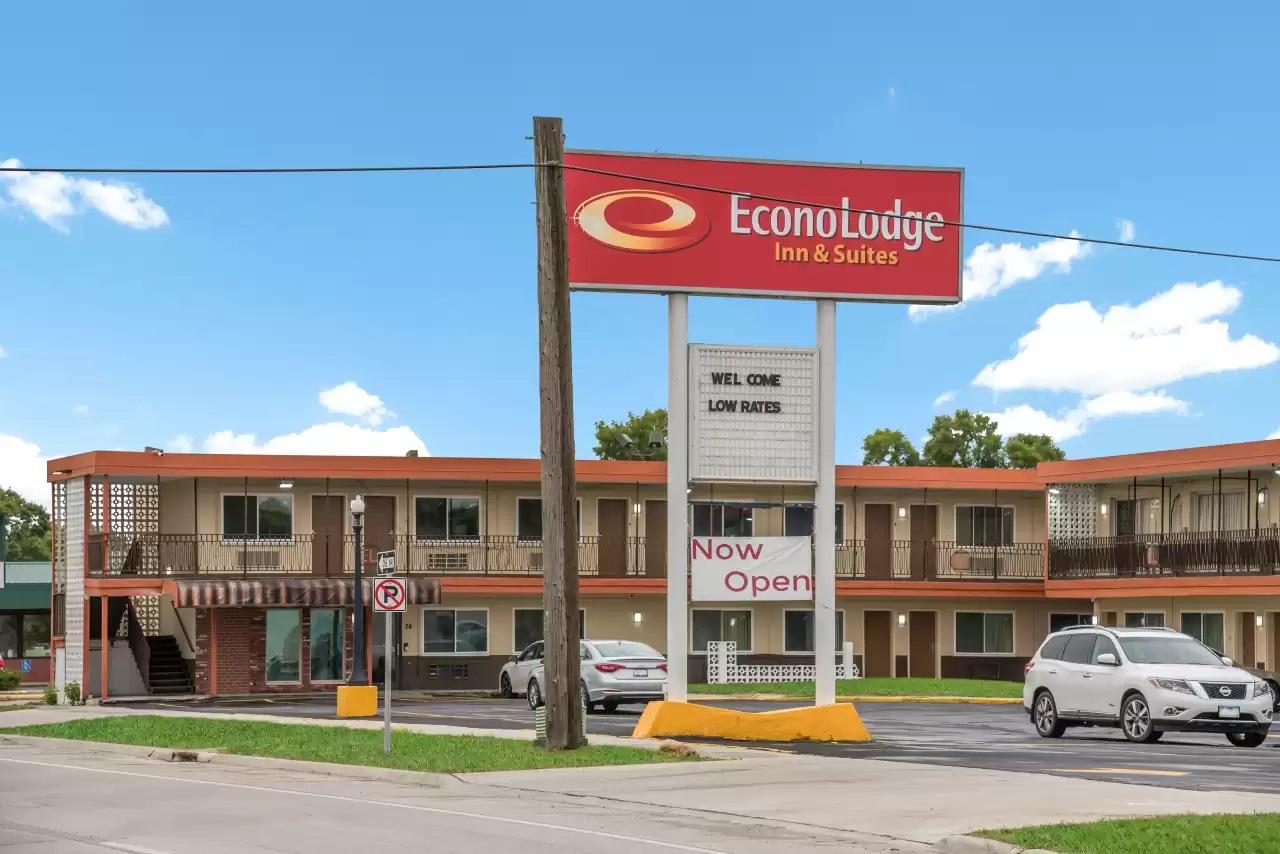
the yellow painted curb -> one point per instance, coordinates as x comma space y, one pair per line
856, 698
357, 701
837, 722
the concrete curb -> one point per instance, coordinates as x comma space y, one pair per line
978, 845
858, 698
167, 754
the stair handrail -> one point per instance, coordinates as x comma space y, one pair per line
141, 647
183, 626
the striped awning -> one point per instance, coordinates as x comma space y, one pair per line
299, 592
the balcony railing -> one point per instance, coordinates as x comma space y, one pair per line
1254, 552
938, 560
333, 556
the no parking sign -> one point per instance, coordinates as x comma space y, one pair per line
390, 594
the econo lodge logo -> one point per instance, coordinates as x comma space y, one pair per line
642, 221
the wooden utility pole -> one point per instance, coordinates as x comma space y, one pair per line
559, 488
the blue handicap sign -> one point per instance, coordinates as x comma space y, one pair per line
26, 665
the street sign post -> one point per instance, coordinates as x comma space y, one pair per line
391, 596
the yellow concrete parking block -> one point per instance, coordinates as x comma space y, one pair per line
357, 701
837, 722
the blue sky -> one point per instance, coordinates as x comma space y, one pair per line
199, 305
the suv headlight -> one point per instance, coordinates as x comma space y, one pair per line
1261, 688
1179, 685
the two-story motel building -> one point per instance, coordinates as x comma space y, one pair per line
229, 574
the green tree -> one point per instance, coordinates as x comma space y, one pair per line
28, 527
1025, 450
966, 439
885, 447
633, 438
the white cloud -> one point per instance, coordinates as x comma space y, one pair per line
350, 399
180, 444
23, 469
944, 398
1067, 425
1128, 231
1172, 336
80, 410
53, 197
1275, 435
3, 352
990, 269
331, 438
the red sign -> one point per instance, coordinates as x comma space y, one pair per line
760, 228
390, 594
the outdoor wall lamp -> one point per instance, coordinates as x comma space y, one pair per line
902, 512
637, 618
1262, 496
1053, 490
1102, 508
1257, 620
902, 620
286, 484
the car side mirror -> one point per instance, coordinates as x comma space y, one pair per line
1108, 659
1227, 661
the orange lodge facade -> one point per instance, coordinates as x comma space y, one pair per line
198, 574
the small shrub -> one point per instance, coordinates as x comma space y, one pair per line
50, 695
9, 680
72, 692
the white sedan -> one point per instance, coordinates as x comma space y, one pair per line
614, 672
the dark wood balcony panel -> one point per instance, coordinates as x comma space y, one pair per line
1185, 554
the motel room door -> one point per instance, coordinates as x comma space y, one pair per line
611, 520
328, 513
877, 652
922, 660
655, 538
924, 530
1248, 640
879, 527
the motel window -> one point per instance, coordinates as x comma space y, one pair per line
1135, 516
284, 645
1227, 514
797, 634
1144, 619
326, 645
797, 521
1058, 622
723, 520
24, 635
721, 626
257, 517
447, 518
529, 518
526, 626
446, 631
984, 526
980, 633
1206, 628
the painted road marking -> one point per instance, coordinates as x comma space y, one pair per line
1136, 772
366, 801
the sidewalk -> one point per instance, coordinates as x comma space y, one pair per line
896, 800
857, 698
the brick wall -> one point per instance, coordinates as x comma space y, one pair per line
241, 652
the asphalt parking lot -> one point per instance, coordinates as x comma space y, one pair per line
997, 737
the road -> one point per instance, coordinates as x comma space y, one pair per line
77, 799
996, 737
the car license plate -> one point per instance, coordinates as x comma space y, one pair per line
640, 674
1228, 711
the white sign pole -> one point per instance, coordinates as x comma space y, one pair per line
824, 519
386, 687
677, 497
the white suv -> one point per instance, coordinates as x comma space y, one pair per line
1145, 681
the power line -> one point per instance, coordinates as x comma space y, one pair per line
474, 167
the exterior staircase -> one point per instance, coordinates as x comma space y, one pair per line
168, 672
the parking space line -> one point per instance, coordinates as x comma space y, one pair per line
1135, 772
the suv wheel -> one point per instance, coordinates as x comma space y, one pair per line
1135, 720
1246, 739
504, 687
534, 694
1044, 715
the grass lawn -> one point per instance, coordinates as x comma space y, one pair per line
1221, 834
410, 751
877, 687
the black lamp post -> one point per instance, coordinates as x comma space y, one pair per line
358, 674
